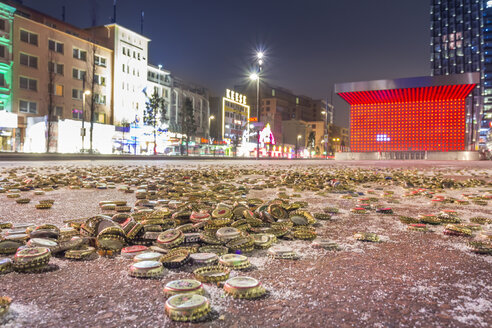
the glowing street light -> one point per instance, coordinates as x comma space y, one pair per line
325, 130
297, 144
255, 76
212, 117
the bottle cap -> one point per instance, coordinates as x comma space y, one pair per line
187, 307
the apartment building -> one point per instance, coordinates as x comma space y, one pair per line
50, 66
279, 104
130, 50
52, 63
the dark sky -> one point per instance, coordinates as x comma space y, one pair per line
310, 44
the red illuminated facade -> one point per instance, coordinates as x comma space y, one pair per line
427, 118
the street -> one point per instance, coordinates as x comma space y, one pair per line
407, 279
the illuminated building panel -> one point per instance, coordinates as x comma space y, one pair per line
412, 119
235, 115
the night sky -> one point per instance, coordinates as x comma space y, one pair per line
309, 44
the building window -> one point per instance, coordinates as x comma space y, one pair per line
77, 94
273, 92
77, 114
55, 46
101, 80
27, 107
28, 84
57, 89
2, 80
57, 111
2, 25
78, 74
29, 61
297, 100
55, 68
29, 37
100, 99
79, 54
123, 68
2, 51
100, 61
100, 117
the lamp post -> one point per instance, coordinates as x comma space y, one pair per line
211, 117
325, 130
256, 77
82, 132
297, 145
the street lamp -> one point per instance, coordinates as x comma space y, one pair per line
212, 117
325, 130
255, 76
297, 145
82, 132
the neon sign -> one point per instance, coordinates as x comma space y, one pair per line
235, 96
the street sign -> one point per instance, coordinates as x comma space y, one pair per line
253, 119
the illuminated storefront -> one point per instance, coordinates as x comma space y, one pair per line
415, 114
235, 116
8, 127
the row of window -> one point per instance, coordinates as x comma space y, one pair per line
31, 107
127, 67
128, 52
56, 46
58, 68
57, 89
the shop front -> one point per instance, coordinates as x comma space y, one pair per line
8, 130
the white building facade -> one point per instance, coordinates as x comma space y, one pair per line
129, 72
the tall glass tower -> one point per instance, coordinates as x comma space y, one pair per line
461, 42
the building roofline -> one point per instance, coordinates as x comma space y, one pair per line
120, 26
411, 82
163, 70
67, 34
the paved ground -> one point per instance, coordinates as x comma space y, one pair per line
409, 279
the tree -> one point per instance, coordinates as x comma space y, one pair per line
311, 141
155, 114
93, 80
235, 144
188, 124
51, 100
